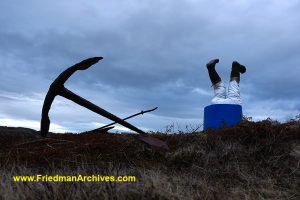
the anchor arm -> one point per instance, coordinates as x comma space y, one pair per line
45, 121
83, 65
57, 86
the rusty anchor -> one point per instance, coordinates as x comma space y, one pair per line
58, 88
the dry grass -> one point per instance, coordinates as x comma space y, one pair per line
256, 160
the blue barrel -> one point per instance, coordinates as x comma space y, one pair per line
219, 115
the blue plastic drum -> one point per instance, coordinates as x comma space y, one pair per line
219, 115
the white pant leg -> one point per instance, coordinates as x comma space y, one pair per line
220, 93
234, 96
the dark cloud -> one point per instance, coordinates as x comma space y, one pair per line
154, 55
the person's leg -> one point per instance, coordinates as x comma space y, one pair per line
219, 88
234, 96
220, 93
234, 87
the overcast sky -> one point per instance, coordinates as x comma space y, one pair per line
155, 54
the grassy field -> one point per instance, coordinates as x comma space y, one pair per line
256, 160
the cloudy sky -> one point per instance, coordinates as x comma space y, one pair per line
154, 55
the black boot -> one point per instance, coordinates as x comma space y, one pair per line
237, 68
213, 75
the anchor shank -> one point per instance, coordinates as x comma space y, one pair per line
85, 103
